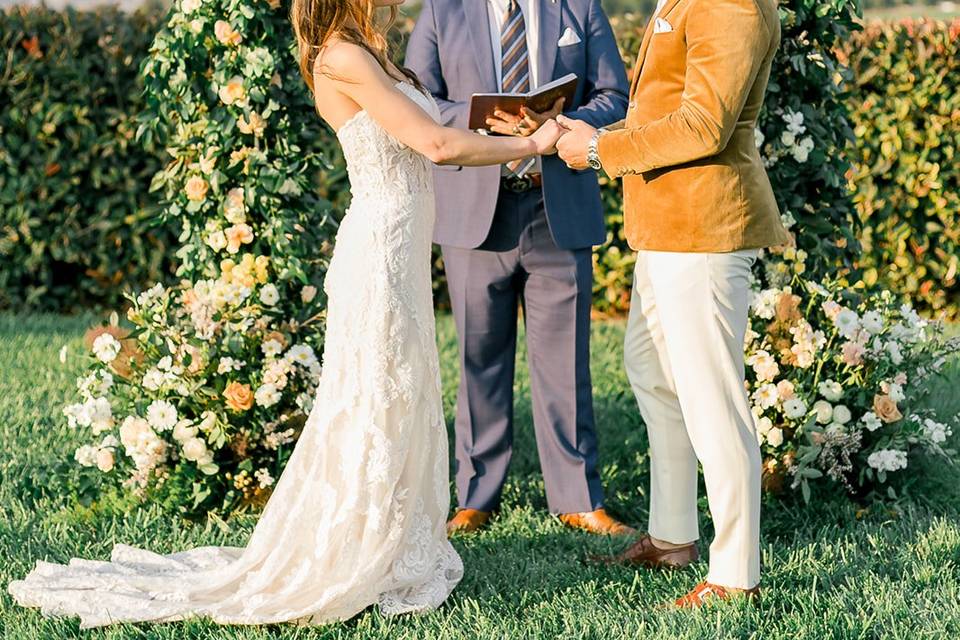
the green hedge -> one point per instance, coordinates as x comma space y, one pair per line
85, 233
906, 116
75, 221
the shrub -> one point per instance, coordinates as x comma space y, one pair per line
221, 371
76, 222
906, 154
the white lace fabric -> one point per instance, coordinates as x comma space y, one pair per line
358, 516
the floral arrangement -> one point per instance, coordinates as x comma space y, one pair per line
210, 387
835, 377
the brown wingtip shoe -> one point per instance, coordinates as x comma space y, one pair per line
645, 554
466, 521
704, 592
598, 522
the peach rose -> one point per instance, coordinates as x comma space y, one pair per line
786, 390
233, 91
239, 397
886, 409
852, 353
197, 188
226, 34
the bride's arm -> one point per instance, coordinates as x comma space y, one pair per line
356, 74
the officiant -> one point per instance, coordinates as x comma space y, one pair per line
521, 235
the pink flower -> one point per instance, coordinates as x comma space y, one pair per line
852, 353
832, 309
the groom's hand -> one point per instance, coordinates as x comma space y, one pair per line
524, 124
572, 146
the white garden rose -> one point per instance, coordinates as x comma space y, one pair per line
106, 348
184, 430
775, 437
195, 450
841, 414
162, 415
824, 411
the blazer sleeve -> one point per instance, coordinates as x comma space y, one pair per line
423, 58
727, 41
606, 88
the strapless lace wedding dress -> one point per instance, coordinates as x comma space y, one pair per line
358, 516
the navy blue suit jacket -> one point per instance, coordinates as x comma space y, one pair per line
450, 52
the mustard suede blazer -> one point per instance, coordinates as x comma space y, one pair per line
693, 180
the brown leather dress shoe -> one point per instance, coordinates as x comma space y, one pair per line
645, 554
705, 592
598, 522
466, 521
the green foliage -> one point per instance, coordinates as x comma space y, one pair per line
907, 158
76, 224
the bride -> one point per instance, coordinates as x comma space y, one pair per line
358, 516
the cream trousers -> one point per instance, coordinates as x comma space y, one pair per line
684, 356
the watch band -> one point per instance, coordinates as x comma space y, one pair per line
593, 154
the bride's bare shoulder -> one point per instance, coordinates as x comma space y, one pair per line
346, 62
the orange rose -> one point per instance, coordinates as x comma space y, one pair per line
886, 409
239, 397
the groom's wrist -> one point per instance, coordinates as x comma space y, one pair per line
593, 153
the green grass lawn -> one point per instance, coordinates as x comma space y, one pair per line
894, 573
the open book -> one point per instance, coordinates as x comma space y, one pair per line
482, 105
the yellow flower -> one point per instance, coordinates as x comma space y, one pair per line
226, 34
233, 91
237, 235
197, 188
261, 265
255, 125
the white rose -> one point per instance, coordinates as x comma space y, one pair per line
841, 414
194, 449
184, 430
269, 295
824, 411
775, 437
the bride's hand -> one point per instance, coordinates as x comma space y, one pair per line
546, 137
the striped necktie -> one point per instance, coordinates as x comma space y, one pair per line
515, 67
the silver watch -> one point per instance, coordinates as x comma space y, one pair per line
593, 155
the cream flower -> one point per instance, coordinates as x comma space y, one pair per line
766, 395
162, 415
830, 390
775, 437
847, 323
841, 414
308, 293
870, 421
106, 348
105, 460
234, 207
271, 348
196, 188
824, 411
267, 395
794, 408
255, 125
233, 92
269, 295
852, 353
237, 235
217, 240
226, 34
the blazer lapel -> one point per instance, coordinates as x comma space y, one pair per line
647, 38
550, 35
478, 25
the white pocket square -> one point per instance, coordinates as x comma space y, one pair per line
568, 38
662, 26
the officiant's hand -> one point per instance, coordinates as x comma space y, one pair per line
572, 147
524, 124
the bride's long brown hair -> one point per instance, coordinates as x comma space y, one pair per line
315, 22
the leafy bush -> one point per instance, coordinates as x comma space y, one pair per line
217, 373
906, 152
76, 222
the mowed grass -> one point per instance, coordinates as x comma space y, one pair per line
892, 573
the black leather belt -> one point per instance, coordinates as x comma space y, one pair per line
522, 184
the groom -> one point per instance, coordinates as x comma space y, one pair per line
521, 234
697, 206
